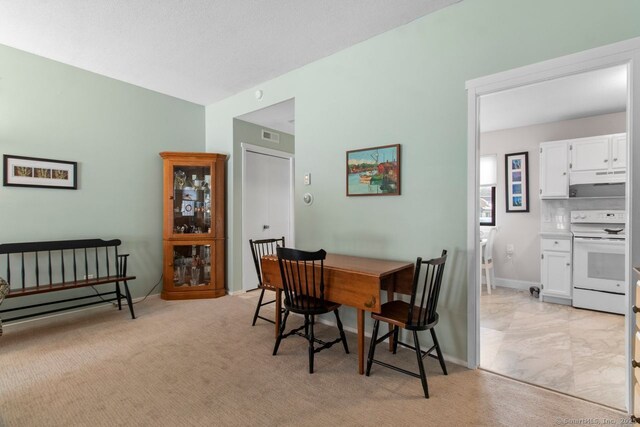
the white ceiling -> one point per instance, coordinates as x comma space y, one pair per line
280, 117
582, 95
198, 50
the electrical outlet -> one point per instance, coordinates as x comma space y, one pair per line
307, 179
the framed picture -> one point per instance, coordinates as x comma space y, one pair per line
22, 171
374, 171
517, 182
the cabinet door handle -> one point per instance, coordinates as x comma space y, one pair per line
635, 364
635, 309
564, 173
615, 159
568, 264
170, 197
265, 227
606, 160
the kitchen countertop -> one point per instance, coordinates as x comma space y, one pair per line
556, 234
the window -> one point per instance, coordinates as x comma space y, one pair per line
488, 173
488, 205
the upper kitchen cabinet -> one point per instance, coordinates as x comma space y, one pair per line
554, 170
619, 151
589, 154
598, 160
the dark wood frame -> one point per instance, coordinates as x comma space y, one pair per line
5, 174
493, 207
525, 193
397, 193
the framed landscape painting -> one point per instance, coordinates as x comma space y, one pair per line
374, 171
517, 182
22, 171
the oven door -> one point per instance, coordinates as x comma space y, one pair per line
598, 264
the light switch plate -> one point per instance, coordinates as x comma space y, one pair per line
307, 179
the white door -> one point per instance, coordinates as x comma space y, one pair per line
556, 274
267, 206
554, 163
588, 154
619, 151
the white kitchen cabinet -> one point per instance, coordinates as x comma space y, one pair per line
555, 269
554, 170
619, 151
590, 154
598, 159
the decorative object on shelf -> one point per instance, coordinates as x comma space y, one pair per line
20, 171
193, 225
374, 171
517, 182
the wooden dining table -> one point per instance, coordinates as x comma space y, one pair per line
353, 282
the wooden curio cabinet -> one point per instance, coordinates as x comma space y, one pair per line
193, 226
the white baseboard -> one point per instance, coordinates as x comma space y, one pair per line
447, 357
514, 284
233, 293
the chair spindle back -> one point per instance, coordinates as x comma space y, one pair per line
426, 289
302, 277
260, 248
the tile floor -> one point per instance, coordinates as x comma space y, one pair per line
579, 352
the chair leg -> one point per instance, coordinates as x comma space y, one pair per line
343, 337
119, 295
311, 337
440, 357
129, 301
306, 325
372, 346
488, 275
255, 315
282, 326
423, 375
395, 339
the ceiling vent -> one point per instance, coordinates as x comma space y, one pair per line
270, 136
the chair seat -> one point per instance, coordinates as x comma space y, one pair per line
310, 305
397, 313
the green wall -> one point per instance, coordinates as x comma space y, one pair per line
407, 86
114, 131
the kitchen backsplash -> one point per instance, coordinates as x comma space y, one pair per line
555, 214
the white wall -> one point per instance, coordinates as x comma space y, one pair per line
521, 229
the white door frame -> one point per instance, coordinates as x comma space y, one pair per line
275, 153
625, 52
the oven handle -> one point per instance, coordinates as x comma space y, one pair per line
599, 240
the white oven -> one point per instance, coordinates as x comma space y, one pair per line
599, 260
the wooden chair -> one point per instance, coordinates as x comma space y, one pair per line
418, 315
259, 248
303, 284
487, 260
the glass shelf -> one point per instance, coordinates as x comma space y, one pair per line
191, 199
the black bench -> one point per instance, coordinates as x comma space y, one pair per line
40, 267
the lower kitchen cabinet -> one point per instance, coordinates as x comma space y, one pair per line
555, 267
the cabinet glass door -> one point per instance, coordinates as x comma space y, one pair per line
191, 266
191, 199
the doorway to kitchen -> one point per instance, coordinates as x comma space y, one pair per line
553, 287
267, 141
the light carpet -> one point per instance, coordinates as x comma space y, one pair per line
200, 363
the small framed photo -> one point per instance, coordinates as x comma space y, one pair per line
374, 171
22, 171
517, 182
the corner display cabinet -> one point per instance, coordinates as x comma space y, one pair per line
193, 227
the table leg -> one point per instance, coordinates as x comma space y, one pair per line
360, 315
278, 305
